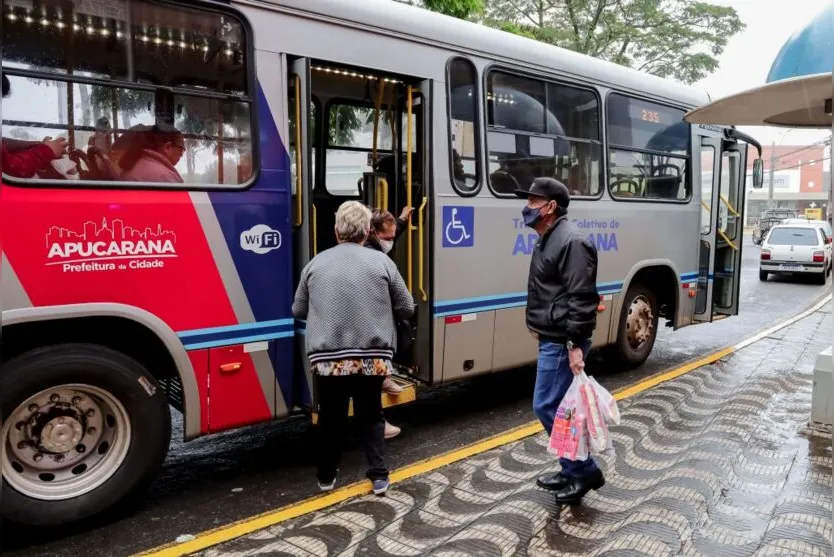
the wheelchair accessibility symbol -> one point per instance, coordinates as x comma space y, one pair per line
458, 227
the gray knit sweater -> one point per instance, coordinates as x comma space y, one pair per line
350, 296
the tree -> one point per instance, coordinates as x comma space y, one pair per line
462, 9
681, 39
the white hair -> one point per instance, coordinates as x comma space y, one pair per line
353, 222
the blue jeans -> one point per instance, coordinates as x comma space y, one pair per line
553, 378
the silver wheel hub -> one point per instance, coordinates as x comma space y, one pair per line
61, 434
639, 322
64, 442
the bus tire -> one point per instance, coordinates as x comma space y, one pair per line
637, 330
84, 427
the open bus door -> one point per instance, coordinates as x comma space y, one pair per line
418, 195
389, 164
723, 176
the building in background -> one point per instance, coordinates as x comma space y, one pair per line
801, 179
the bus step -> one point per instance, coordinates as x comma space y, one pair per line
409, 394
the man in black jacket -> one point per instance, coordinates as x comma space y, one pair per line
562, 302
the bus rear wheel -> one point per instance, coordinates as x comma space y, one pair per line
638, 326
84, 427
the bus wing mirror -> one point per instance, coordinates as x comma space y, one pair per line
758, 174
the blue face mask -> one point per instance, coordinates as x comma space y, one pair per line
531, 216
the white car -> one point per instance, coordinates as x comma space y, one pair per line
799, 246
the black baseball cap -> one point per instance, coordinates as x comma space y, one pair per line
549, 189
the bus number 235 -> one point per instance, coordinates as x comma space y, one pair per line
651, 116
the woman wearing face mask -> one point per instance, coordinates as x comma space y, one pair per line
385, 229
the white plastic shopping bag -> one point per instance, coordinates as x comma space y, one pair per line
607, 403
582, 419
598, 439
569, 436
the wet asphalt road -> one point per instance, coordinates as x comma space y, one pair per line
214, 481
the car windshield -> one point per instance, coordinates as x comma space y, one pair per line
793, 237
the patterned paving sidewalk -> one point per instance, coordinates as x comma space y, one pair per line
717, 462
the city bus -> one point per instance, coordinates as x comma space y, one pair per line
152, 265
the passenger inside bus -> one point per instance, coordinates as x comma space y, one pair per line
24, 159
577, 182
154, 156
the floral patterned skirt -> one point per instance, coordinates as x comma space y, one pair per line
368, 366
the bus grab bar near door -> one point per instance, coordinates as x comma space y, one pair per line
408, 186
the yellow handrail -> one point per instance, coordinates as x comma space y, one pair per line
315, 228
299, 181
420, 250
381, 194
376, 121
729, 207
408, 185
726, 239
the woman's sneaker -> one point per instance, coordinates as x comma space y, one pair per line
380, 486
391, 431
328, 486
390, 386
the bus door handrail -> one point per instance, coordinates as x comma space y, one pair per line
729, 206
408, 186
727, 240
421, 250
381, 194
384, 185
721, 232
299, 180
315, 230
377, 106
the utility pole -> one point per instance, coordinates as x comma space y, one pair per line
773, 160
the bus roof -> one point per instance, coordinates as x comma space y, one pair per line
424, 26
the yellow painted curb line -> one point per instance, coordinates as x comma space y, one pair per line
270, 518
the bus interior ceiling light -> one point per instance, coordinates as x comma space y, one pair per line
145, 37
357, 75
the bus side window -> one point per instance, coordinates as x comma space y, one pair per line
542, 129
648, 148
173, 106
463, 124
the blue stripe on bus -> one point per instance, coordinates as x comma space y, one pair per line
282, 328
515, 299
238, 340
237, 334
240, 327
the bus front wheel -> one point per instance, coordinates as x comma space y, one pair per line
638, 326
84, 427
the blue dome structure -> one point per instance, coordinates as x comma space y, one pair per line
809, 51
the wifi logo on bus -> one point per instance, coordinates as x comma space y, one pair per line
260, 239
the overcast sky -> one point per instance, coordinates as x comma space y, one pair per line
748, 56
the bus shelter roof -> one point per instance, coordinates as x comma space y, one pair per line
798, 102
